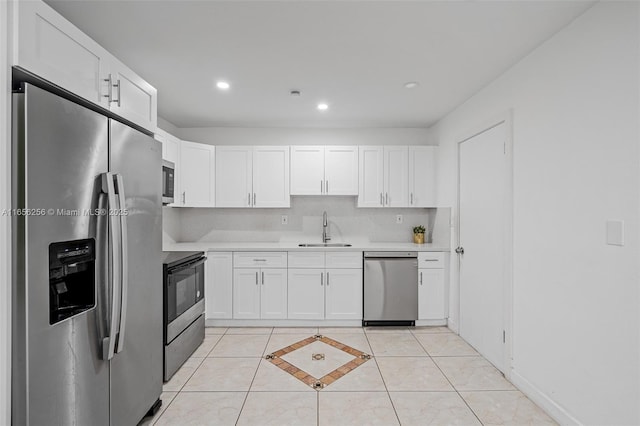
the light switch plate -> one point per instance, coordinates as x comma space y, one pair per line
615, 232
285, 219
398, 218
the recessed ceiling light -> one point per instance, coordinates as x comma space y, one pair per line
323, 107
223, 85
411, 85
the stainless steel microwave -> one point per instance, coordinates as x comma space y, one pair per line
168, 179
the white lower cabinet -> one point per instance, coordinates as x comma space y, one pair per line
316, 292
343, 294
218, 292
260, 292
431, 286
306, 294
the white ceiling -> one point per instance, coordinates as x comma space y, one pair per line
354, 55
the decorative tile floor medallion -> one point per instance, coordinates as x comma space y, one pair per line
310, 358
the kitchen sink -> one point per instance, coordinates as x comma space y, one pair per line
325, 245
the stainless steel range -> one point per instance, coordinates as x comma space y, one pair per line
183, 307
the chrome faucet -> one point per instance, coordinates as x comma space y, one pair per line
325, 224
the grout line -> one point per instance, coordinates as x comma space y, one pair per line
454, 388
254, 378
374, 358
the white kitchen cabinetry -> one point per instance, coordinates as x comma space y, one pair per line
325, 285
383, 176
51, 47
197, 177
324, 170
218, 292
422, 176
260, 285
252, 176
431, 286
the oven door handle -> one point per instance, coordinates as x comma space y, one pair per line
187, 265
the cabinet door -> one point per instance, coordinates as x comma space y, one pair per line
218, 292
197, 178
233, 176
422, 176
134, 98
271, 176
344, 294
306, 294
51, 47
371, 176
273, 297
431, 294
396, 176
307, 170
341, 170
246, 293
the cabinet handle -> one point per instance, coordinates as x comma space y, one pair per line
412, 198
420, 278
326, 184
249, 199
109, 94
262, 278
256, 278
118, 86
327, 278
254, 199
386, 198
184, 197
321, 187
259, 260
321, 278
381, 200
431, 260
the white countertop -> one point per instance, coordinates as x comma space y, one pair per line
293, 246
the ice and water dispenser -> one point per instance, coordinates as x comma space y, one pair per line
72, 288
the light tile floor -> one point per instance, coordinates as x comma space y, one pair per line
417, 376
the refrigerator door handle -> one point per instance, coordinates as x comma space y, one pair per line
109, 342
124, 256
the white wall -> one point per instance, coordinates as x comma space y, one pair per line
306, 136
575, 104
5, 235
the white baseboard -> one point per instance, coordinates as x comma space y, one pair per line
431, 323
453, 326
281, 323
554, 410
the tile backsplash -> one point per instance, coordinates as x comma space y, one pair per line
347, 223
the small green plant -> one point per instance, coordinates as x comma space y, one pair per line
418, 229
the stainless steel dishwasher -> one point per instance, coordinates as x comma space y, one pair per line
390, 288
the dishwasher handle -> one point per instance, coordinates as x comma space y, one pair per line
390, 254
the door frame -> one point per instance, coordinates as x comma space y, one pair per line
505, 118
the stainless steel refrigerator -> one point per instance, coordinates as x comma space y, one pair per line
87, 307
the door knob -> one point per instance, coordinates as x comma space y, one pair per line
460, 250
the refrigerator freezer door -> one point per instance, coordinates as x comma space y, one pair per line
136, 370
60, 150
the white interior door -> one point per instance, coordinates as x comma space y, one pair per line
482, 236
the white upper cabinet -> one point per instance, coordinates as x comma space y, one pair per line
51, 47
271, 176
341, 170
197, 178
383, 176
307, 170
252, 176
422, 176
324, 170
233, 176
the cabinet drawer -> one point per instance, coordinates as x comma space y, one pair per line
307, 259
431, 260
351, 260
264, 259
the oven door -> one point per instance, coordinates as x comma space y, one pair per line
184, 296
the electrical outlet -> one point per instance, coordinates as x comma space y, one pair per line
285, 219
398, 218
